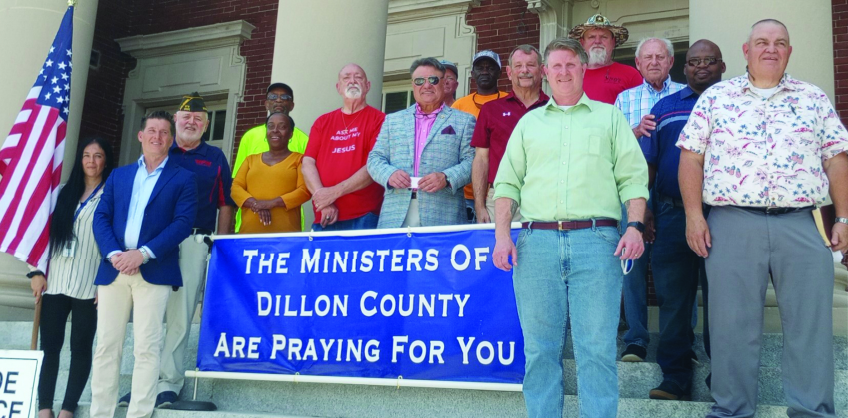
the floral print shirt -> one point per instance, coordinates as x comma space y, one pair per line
762, 152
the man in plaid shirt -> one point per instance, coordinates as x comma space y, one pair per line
654, 58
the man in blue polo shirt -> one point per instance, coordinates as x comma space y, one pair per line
214, 207
676, 267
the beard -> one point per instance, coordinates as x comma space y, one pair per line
597, 55
353, 92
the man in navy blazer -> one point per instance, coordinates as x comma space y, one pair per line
146, 210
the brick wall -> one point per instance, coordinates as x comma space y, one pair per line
102, 114
154, 16
840, 56
502, 25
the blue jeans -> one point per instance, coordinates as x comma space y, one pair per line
676, 274
636, 295
562, 272
367, 221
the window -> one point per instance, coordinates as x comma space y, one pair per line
397, 95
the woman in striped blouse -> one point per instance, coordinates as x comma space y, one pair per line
74, 257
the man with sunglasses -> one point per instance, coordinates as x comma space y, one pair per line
344, 196
676, 267
423, 156
486, 71
279, 98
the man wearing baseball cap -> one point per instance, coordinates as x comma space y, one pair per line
604, 78
278, 98
485, 70
451, 83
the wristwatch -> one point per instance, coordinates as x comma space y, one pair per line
638, 225
841, 220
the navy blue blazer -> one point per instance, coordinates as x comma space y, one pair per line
168, 219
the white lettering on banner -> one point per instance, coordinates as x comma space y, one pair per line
389, 303
19, 374
318, 261
479, 257
265, 303
354, 349
418, 350
483, 346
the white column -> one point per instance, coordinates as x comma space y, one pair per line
27, 29
314, 41
728, 24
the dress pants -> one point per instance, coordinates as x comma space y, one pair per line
115, 302
180, 312
746, 247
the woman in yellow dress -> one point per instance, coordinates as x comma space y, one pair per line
269, 187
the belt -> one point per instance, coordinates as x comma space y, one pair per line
201, 231
414, 194
770, 210
676, 202
569, 225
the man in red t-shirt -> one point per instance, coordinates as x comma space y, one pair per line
604, 79
343, 194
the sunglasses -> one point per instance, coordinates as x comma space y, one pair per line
694, 62
419, 81
626, 266
272, 97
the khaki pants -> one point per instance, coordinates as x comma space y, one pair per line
115, 302
180, 312
490, 207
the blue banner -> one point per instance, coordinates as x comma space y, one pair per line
428, 306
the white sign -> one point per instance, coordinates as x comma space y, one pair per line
19, 372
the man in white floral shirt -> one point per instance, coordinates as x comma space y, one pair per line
760, 149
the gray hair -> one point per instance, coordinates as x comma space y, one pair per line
527, 49
567, 44
668, 46
772, 21
426, 62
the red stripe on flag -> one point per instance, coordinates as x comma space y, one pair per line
5, 224
40, 245
18, 127
39, 195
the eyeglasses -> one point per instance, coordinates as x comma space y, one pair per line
419, 81
694, 62
272, 97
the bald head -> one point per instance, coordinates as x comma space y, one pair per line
353, 83
769, 22
704, 65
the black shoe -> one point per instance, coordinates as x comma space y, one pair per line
634, 354
669, 391
165, 399
125, 400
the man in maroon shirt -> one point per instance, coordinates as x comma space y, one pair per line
496, 121
604, 79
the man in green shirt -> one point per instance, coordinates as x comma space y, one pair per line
569, 165
279, 98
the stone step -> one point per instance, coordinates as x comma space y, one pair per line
472, 406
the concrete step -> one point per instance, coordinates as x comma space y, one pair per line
627, 408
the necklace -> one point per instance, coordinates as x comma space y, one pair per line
344, 120
480, 105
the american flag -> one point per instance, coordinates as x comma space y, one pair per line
31, 156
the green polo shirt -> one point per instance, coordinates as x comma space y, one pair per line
254, 142
572, 164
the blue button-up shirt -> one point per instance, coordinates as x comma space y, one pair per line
660, 149
143, 185
639, 100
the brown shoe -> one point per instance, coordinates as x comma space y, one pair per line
668, 391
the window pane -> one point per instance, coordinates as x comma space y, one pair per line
218, 124
396, 101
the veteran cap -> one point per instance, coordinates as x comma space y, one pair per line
192, 103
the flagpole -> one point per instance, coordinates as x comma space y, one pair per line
35, 323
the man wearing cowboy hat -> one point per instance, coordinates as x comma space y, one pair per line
604, 78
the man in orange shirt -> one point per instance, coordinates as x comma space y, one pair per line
486, 70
